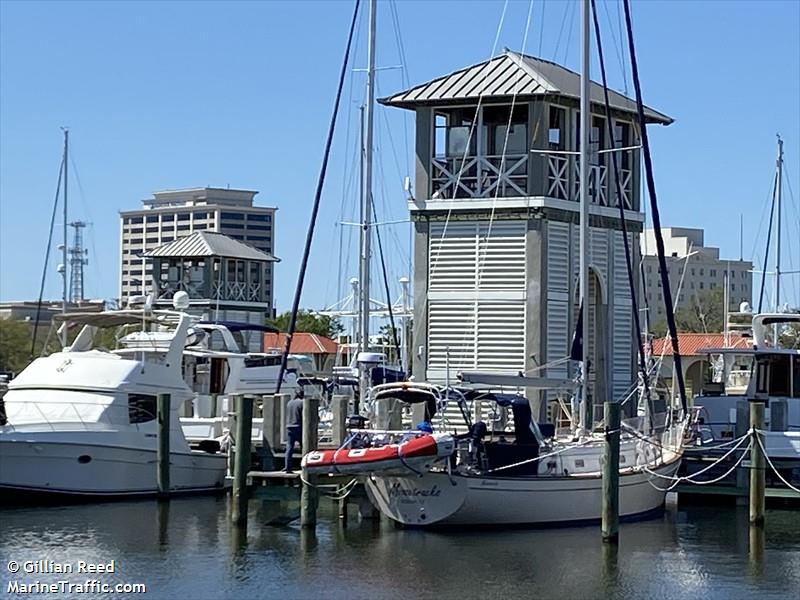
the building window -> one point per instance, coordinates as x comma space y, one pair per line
168, 217
733, 287
702, 272
183, 216
151, 240
555, 133
701, 285
232, 215
136, 230
152, 229
232, 225
253, 227
713, 272
264, 218
183, 227
622, 139
152, 218
200, 215
135, 220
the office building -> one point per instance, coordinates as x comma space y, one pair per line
700, 267
174, 214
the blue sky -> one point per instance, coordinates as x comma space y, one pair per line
162, 95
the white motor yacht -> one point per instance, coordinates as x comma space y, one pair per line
82, 421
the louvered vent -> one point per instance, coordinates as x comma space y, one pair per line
476, 306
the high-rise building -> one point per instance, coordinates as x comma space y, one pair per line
173, 214
700, 267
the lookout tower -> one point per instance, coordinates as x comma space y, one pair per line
226, 280
495, 212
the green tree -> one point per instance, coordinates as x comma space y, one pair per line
703, 314
15, 344
309, 322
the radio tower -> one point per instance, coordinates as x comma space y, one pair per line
77, 259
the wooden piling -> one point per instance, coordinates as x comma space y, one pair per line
309, 496
241, 465
339, 405
271, 432
610, 504
757, 464
162, 451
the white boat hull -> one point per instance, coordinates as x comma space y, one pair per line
100, 469
442, 499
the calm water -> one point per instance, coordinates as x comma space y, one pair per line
187, 550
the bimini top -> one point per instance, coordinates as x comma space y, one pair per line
512, 74
113, 318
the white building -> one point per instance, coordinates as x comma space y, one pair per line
700, 266
174, 214
496, 237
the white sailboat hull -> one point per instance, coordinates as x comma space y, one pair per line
442, 499
99, 468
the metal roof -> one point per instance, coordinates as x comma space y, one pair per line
208, 243
509, 74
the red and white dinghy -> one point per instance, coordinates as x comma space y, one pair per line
411, 456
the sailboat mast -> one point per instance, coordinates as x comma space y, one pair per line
64, 247
585, 120
778, 226
366, 199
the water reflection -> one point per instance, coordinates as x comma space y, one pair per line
187, 548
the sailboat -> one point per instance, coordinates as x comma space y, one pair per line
520, 477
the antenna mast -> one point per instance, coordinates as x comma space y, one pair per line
77, 260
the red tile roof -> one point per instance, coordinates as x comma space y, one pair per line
690, 344
302, 343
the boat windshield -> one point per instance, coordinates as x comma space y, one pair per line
65, 409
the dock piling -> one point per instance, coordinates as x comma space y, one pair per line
241, 465
309, 496
162, 451
339, 406
610, 505
757, 464
271, 432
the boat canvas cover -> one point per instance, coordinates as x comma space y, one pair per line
60, 407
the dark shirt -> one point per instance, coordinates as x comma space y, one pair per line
294, 413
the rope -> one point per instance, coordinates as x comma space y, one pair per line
317, 197
689, 478
769, 462
46, 258
766, 248
708, 482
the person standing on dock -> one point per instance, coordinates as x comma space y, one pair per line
294, 427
